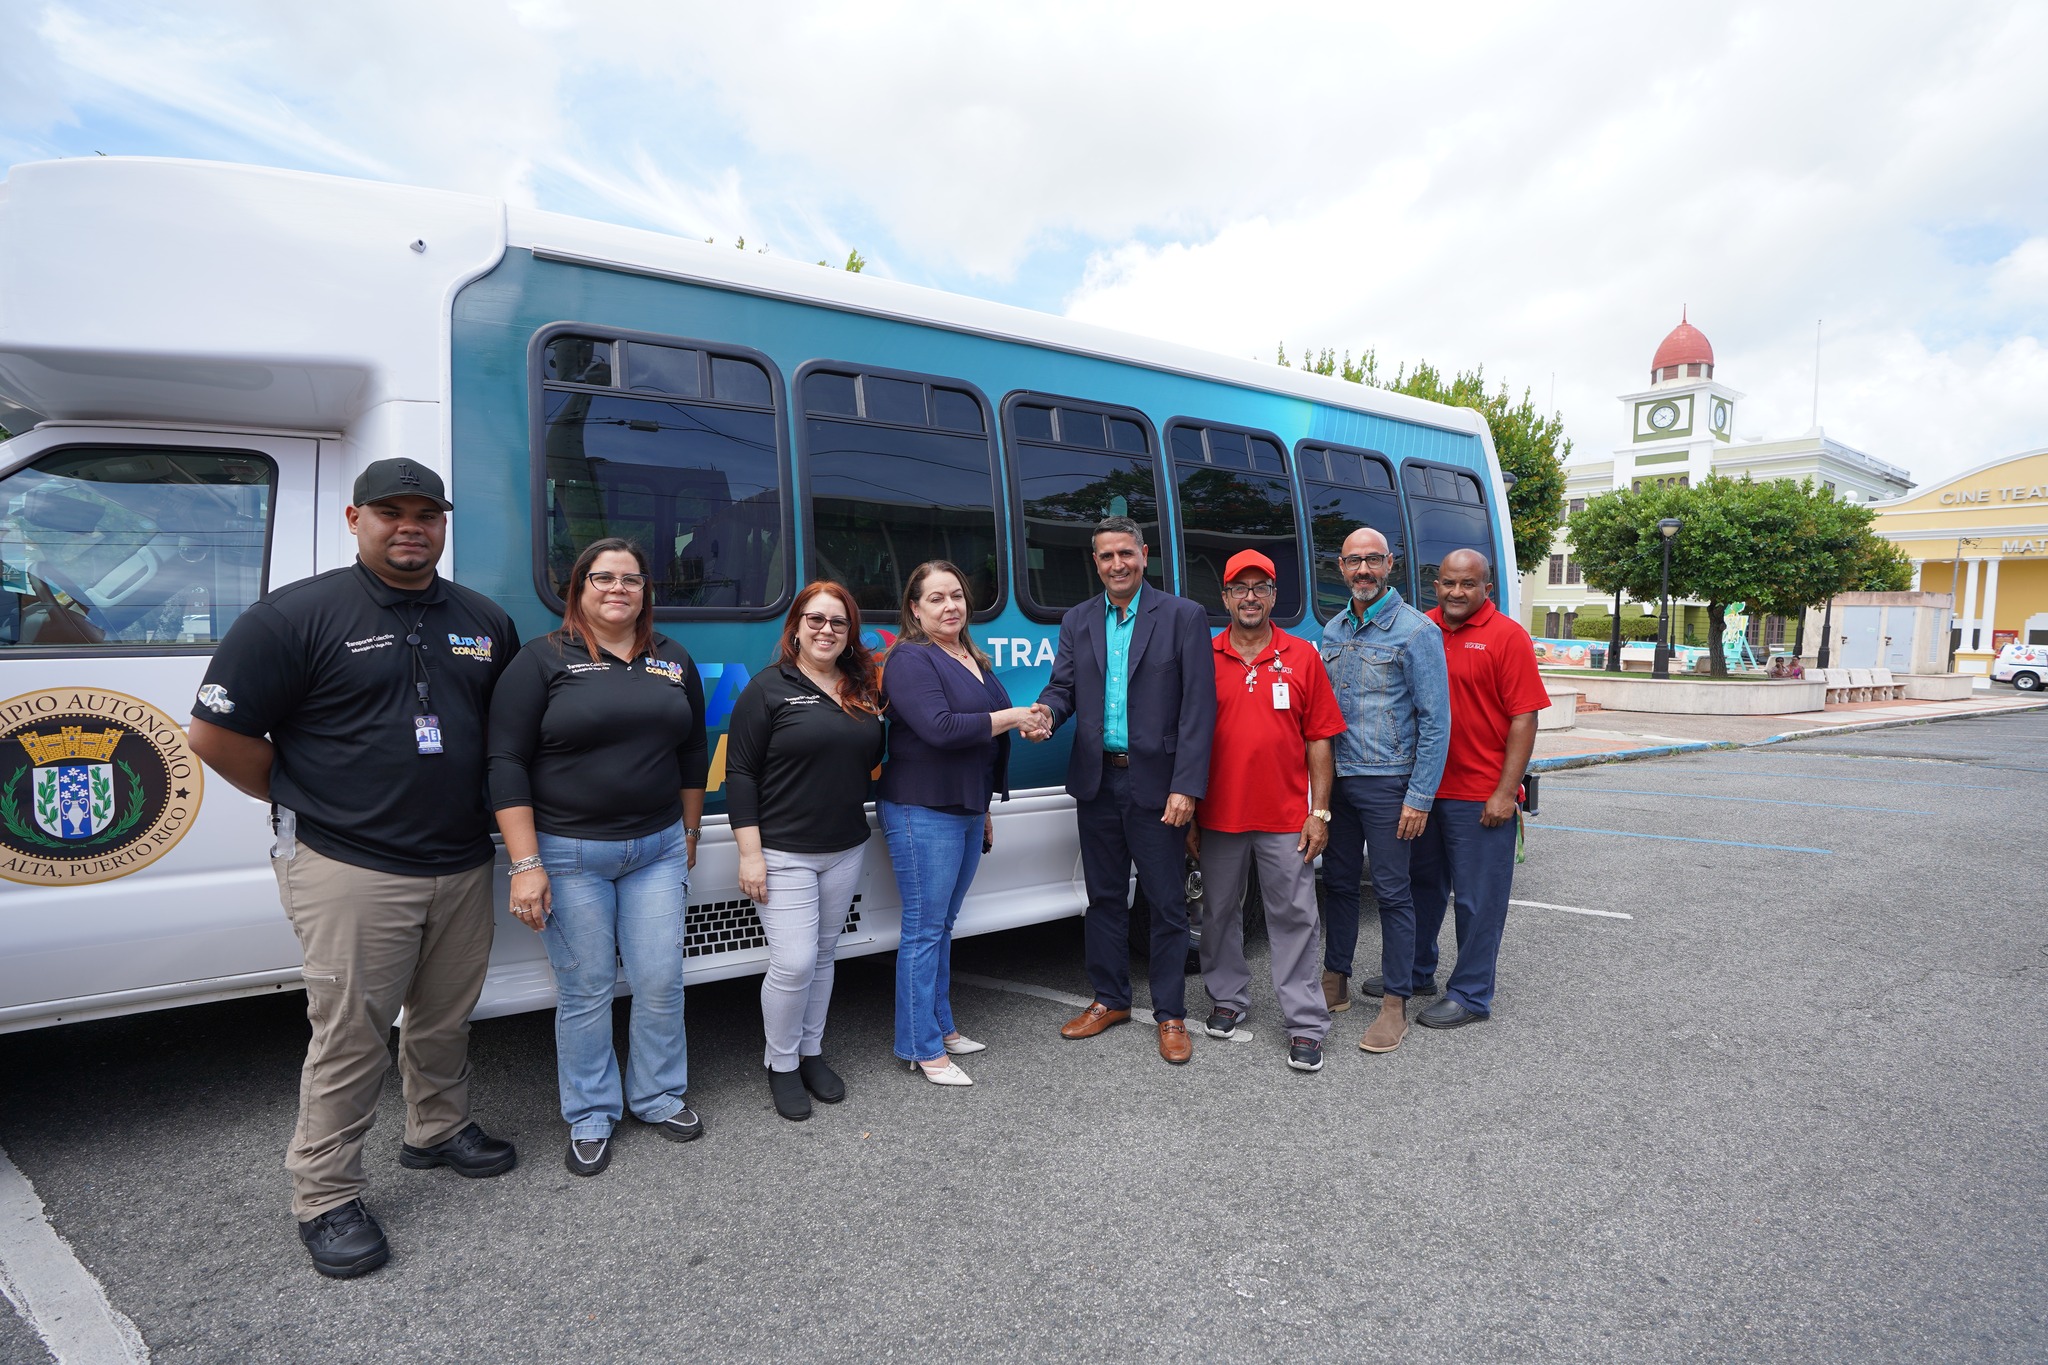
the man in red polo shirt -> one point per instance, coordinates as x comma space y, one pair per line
1270, 770
1469, 844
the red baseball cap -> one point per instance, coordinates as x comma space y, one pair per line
1248, 559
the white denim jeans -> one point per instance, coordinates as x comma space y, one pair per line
809, 895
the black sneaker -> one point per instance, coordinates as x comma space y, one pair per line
1376, 987
790, 1100
1222, 1022
471, 1153
588, 1156
1305, 1054
821, 1080
681, 1126
345, 1242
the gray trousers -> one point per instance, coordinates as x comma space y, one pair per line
1289, 888
809, 895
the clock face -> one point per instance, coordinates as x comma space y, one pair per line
1663, 415
1720, 415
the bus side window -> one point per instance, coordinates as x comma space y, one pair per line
671, 444
132, 545
1072, 463
1234, 495
1449, 512
1349, 488
899, 468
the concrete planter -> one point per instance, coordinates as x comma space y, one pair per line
1935, 686
1704, 696
1563, 711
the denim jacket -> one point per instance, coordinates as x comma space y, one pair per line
1395, 690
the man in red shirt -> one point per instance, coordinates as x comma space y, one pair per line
1469, 844
1270, 770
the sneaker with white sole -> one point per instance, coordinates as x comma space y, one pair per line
1305, 1054
1223, 1021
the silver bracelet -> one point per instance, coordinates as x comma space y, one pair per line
692, 833
526, 865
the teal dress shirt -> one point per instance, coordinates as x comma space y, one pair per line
1116, 680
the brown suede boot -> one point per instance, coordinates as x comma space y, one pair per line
1336, 992
1389, 1028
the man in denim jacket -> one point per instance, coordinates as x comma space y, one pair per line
1386, 661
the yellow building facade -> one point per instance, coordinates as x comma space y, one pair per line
1981, 536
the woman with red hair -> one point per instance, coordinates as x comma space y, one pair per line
804, 736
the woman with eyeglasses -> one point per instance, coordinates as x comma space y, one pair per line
804, 735
950, 720
597, 770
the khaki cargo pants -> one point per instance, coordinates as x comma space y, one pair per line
372, 942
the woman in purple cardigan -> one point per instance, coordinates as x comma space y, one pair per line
949, 747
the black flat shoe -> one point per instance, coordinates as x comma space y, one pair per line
345, 1242
588, 1156
1376, 987
821, 1080
790, 1100
1448, 1013
681, 1126
471, 1152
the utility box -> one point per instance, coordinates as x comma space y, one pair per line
1906, 632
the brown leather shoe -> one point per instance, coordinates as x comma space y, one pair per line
1389, 1028
1092, 1021
1336, 992
1174, 1044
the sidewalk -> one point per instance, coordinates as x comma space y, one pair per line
1611, 736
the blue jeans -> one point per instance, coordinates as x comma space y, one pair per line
1458, 853
935, 853
617, 902
1365, 814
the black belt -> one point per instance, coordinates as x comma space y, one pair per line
1117, 760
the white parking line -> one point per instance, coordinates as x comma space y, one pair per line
1079, 1002
1572, 909
50, 1289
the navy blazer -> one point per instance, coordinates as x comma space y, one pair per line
1171, 702
940, 752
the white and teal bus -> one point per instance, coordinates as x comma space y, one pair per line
197, 358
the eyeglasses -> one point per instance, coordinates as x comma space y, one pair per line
823, 624
1237, 592
605, 582
1349, 563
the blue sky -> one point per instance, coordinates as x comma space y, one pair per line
1538, 189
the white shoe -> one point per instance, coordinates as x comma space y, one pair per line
963, 1045
952, 1075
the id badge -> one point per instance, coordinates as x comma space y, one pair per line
427, 731
1279, 696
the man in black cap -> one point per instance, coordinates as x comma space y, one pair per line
354, 702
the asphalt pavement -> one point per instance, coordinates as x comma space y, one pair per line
1792, 1106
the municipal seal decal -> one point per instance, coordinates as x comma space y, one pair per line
93, 785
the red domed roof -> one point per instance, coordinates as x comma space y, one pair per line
1687, 345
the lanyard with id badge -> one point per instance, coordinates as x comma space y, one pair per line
1251, 679
426, 726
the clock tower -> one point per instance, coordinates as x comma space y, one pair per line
1677, 424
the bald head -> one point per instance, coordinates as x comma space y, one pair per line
1461, 585
1467, 561
1366, 565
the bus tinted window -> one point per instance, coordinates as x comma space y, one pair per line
1064, 488
1448, 511
132, 545
1226, 506
578, 360
885, 498
825, 391
663, 369
1348, 489
696, 485
740, 381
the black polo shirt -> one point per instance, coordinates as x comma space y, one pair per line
797, 765
599, 750
322, 667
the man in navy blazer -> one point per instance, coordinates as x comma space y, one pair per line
1133, 670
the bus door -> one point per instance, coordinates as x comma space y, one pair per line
126, 872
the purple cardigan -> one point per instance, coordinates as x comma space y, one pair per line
940, 751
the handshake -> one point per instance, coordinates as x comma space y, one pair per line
1034, 722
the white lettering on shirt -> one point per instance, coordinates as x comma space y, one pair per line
370, 642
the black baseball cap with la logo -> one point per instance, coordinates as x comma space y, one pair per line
400, 478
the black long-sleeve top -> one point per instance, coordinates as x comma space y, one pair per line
599, 750
797, 765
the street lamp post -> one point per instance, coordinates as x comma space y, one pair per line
1614, 636
1660, 667
1827, 634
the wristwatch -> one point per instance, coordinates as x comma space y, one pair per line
1321, 815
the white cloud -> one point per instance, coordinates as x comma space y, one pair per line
1538, 189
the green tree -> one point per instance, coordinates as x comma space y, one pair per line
1530, 446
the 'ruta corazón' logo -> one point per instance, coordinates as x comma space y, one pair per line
93, 785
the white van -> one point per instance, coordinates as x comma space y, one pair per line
2024, 666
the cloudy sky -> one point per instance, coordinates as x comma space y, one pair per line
1538, 189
